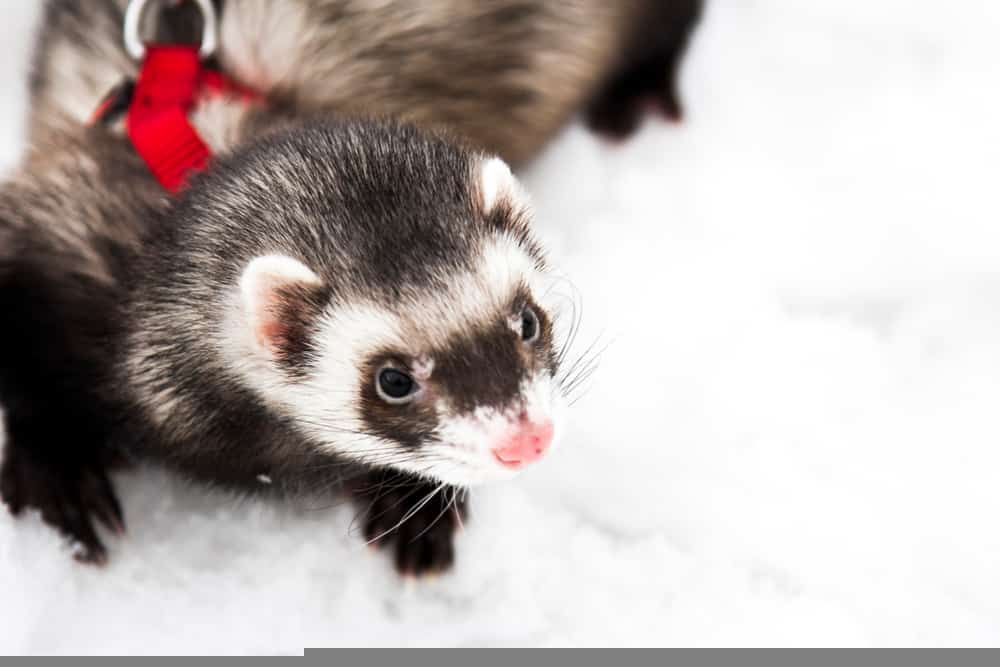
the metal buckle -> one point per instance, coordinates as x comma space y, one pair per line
133, 18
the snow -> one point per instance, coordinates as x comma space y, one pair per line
792, 438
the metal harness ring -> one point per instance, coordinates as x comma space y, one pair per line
133, 18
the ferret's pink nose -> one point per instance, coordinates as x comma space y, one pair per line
526, 446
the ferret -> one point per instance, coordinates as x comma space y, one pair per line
505, 75
338, 304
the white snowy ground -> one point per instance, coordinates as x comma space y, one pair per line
794, 439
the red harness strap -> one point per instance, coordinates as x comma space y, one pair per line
171, 82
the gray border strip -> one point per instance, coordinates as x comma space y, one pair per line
560, 657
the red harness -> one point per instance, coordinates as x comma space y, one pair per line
172, 81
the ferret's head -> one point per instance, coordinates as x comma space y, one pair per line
387, 297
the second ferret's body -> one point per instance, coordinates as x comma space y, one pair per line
503, 74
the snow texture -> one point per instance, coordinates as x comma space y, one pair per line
792, 439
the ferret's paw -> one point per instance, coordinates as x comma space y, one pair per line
615, 117
422, 539
68, 497
426, 544
620, 108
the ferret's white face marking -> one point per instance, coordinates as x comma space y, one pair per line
471, 395
452, 344
326, 403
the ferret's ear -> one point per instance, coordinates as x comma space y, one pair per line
281, 297
496, 183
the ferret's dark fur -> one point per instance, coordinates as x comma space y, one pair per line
119, 338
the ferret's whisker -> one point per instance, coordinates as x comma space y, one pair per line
409, 514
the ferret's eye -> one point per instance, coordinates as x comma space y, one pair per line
529, 325
395, 386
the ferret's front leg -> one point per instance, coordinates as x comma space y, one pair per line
49, 465
417, 519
